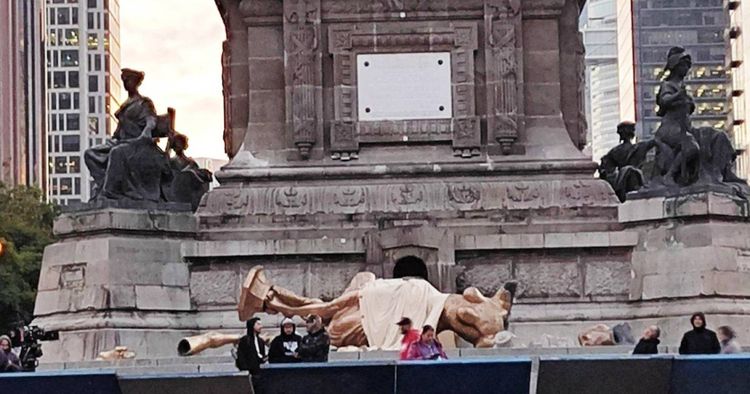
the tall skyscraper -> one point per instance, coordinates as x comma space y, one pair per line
83, 69
23, 150
599, 27
739, 62
656, 26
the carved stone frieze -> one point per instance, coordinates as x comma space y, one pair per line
414, 197
407, 194
349, 196
524, 191
464, 194
389, 6
291, 197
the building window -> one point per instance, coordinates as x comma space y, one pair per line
75, 165
92, 104
93, 125
58, 79
93, 83
71, 143
64, 100
71, 38
73, 122
61, 166
93, 41
69, 58
66, 186
63, 16
73, 79
92, 3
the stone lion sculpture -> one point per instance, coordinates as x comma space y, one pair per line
366, 313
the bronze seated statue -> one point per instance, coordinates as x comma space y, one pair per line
132, 167
686, 159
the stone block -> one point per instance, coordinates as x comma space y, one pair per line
487, 276
688, 284
683, 259
328, 281
162, 298
122, 297
544, 66
59, 253
606, 278
548, 279
267, 106
641, 209
88, 298
268, 73
343, 356
53, 301
267, 41
214, 287
175, 274
728, 283
289, 276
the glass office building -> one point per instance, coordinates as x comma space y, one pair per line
83, 70
656, 26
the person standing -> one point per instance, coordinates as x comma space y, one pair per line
699, 340
727, 340
284, 346
410, 335
427, 347
251, 352
9, 361
649, 342
315, 345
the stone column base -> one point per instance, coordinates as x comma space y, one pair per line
113, 261
689, 246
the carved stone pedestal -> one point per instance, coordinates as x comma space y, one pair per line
116, 277
693, 254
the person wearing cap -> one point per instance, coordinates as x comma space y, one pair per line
410, 335
315, 345
284, 346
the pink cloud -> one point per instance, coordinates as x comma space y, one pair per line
178, 44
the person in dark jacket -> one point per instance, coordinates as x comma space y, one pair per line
314, 346
251, 352
649, 343
9, 361
284, 346
699, 340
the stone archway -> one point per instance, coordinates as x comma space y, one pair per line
410, 266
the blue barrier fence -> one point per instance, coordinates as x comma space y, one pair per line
577, 374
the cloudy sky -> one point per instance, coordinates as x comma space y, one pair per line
178, 44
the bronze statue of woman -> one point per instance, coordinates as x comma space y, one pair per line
136, 118
678, 151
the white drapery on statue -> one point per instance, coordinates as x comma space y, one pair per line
383, 302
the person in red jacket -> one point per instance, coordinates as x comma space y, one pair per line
410, 335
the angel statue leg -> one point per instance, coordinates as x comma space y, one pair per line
259, 295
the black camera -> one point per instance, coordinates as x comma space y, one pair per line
28, 339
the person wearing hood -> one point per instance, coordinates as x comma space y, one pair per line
251, 351
9, 361
315, 345
284, 346
649, 343
699, 340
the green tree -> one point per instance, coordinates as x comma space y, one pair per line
25, 229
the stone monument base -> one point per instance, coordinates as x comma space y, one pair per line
693, 254
116, 277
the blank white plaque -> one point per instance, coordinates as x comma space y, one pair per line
398, 86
